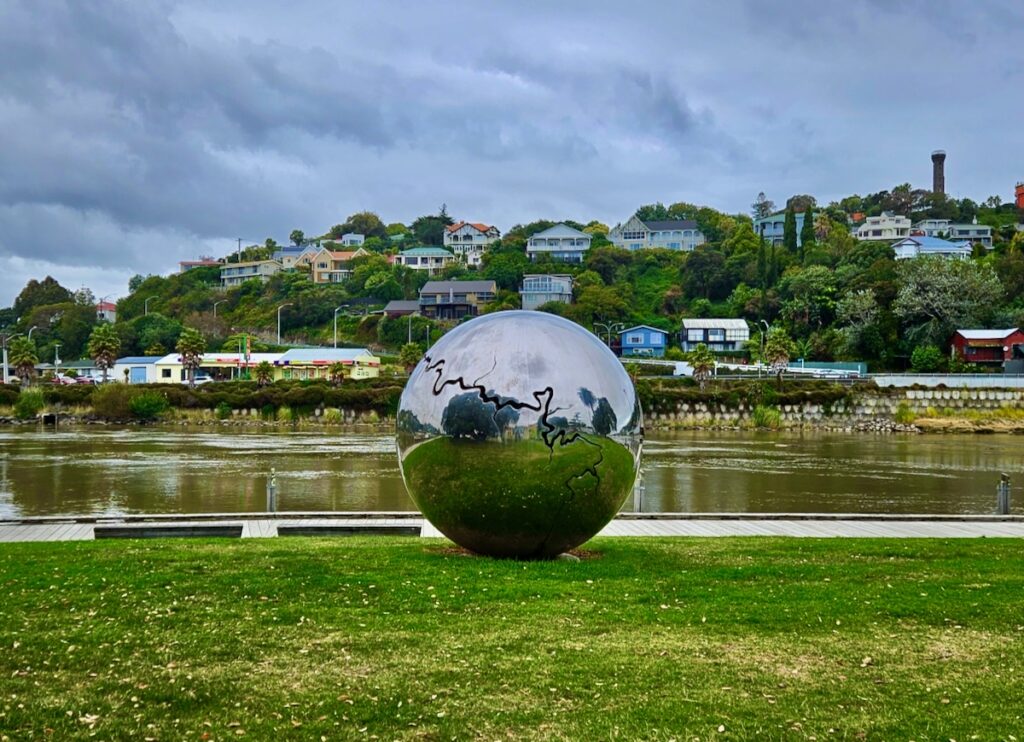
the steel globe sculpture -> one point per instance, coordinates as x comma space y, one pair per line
519, 435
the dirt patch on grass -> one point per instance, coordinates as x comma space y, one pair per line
581, 554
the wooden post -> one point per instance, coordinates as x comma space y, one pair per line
1003, 495
272, 492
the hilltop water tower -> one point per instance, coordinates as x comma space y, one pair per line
939, 171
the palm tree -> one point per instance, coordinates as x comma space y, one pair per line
24, 359
777, 350
410, 355
104, 345
264, 373
703, 362
191, 346
337, 372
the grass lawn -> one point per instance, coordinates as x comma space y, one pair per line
403, 638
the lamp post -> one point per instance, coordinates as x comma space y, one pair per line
146, 303
7, 372
279, 320
56, 359
215, 307
336, 310
609, 328
33, 327
765, 332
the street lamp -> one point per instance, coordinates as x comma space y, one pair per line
33, 327
336, 310
215, 307
609, 328
146, 303
7, 372
766, 328
279, 320
56, 359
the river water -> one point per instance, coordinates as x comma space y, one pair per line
99, 471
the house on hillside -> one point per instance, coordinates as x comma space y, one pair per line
295, 256
469, 240
540, 289
671, 234
205, 261
561, 243
106, 311
913, 247
334, 266
429, 259
773, 228
887, 226
643, 341
401, 308
455, 299
944, 228
235, 274
989, 347
717, 334
352, 239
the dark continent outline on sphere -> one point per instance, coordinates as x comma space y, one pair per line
549, 433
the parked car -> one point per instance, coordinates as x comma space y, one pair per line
61, 379
85, 380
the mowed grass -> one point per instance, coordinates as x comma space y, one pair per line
378, 638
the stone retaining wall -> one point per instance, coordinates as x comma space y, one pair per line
865, 411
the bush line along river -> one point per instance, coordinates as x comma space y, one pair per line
159, 469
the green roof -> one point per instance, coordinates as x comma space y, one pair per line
436, 252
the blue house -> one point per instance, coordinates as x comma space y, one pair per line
644, 340
773, 228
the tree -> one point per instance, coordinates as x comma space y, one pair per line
704, 275
410, 355
297, 237
37, 293
104, 346
762, 207
926, 359
801, 202
336, 371
364, 222
778, 349
789, 231
858, 312
703, 362
264, 373
134, 282
937, 296
24, 359
807, 235
191, 346
429, 229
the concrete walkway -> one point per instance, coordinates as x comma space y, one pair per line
257, 525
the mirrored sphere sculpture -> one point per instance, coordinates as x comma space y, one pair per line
519, 435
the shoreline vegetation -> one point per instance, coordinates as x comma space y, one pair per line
710, 638
668, 403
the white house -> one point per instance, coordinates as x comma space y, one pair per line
913, 247
888, 226
944, 228
561, 242
353, 240
429, 259
468, 240
235, 274
106, 311
540, 289
671, 234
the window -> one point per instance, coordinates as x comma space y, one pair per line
633, 235
695, 336
716, 336
635, 339
165, 373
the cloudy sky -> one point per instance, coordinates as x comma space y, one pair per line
140, 133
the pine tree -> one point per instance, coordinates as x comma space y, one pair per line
789, 230
807, 232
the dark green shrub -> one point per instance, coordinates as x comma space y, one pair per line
148, 405
30, 403
223, 411
927, 359
113, 401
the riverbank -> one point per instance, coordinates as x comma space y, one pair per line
731, 638
668, 404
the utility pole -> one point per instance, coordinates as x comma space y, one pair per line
239, 249
7, 372
336, 310
279, 321
410, 327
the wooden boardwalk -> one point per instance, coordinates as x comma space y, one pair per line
257, 525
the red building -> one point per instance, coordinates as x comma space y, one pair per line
989, 346
1020, 195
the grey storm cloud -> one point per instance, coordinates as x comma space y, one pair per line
139, 134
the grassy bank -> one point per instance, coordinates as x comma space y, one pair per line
655, 639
